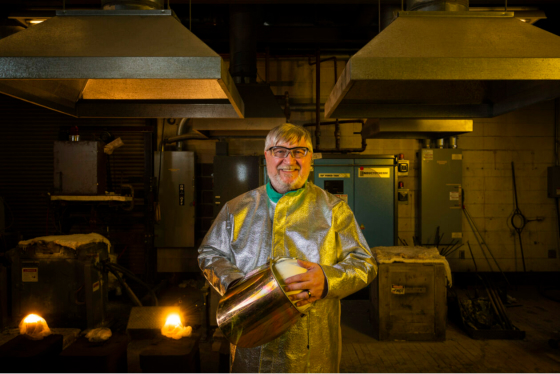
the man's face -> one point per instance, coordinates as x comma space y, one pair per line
288, 173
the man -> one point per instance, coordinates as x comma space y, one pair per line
291, 217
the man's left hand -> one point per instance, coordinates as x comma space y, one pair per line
312, 284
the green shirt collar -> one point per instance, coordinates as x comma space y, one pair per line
275, 196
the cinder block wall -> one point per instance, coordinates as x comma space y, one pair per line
524, 137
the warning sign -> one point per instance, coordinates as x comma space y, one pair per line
428, 155
334, 175
374, 173
30, 274
397, 289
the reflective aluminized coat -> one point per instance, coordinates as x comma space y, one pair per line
309, 224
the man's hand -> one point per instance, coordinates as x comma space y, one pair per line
312, 284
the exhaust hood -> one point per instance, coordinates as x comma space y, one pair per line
440, 64
408, 128
118, 63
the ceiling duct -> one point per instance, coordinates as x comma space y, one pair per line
258, 98
448, 64
128, 60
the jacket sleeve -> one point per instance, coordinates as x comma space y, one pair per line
215, 257
356, 267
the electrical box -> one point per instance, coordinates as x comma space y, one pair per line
233, 176
403, 168
368, 185
441, 178
79, 168
61, 284
176, 199
553, 181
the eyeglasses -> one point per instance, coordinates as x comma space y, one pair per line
282, 152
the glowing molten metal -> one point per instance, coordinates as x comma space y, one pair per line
174, 329
34, 326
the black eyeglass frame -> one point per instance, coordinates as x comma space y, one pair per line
289, 151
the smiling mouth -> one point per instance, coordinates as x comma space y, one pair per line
289, 171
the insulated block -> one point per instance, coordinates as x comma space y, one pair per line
87, 357
24, 355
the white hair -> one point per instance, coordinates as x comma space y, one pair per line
288, 133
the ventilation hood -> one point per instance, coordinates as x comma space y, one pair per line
438, 64
408, 128
118, 63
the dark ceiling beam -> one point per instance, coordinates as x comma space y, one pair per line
28, 4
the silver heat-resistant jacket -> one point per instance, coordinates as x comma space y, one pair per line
310, 224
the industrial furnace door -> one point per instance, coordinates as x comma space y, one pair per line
375, 200
338, 180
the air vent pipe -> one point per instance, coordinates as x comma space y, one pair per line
453, 142
184, 132
243, 43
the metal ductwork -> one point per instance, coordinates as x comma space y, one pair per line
185, 132
129, 60
406, 128
448, 64
258, 98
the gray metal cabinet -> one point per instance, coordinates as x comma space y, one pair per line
176, 199
440, 195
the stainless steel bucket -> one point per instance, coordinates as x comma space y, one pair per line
256, 310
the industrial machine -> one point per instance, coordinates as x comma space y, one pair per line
441, 173
368, 183
79, 168
65, 286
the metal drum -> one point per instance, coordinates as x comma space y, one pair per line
256, 310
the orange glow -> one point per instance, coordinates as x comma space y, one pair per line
34, 326
32, 318
173, 320
174, 328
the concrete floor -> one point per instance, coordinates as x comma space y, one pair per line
537, 316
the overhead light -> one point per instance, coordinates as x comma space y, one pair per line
34, 21
31, 18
